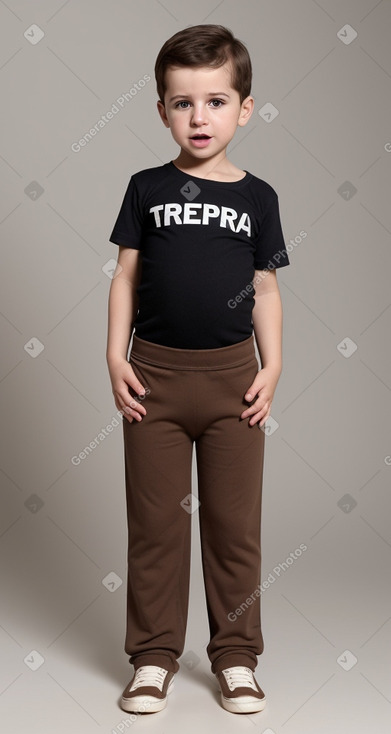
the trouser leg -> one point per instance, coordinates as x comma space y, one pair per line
230, 457
158, 457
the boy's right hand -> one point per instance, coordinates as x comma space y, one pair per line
122, 377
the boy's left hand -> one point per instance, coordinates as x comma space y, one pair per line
264, 386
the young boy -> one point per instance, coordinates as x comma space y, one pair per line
199, 243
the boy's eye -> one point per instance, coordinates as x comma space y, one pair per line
185, 102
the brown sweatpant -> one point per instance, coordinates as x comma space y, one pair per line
193, 395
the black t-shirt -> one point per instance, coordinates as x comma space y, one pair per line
200, 243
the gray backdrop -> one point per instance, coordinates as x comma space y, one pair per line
320, 134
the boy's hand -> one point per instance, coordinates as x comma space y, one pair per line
122, 376
264, 386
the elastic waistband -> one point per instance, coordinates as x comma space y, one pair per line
193, 359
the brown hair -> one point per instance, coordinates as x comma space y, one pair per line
205, 45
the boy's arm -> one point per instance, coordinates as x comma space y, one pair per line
123, 303
267, 319
123, 306
267, 322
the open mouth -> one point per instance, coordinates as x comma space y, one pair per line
200, 137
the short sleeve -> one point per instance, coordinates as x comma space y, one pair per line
270, 252
127, 230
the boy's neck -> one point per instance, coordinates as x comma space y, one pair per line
215, 168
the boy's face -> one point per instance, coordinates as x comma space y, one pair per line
202, 101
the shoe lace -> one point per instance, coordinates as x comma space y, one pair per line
239, 676
149, 675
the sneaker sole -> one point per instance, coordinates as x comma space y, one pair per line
250, 707
146, 704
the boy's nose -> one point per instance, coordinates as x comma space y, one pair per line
199, 115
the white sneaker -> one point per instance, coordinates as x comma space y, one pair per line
147, 691
240, 692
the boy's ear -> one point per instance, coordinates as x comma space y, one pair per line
246, 110
162, 112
